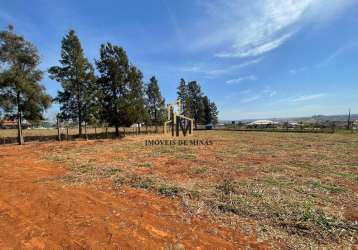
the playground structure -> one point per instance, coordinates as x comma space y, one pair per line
177, 121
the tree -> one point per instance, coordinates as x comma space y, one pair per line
21, 93
77, 79
183, 96
113, 85
210, 111
195, 102
136, 102
155, 102
207, 118
214, 113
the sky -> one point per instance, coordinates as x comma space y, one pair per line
254, 59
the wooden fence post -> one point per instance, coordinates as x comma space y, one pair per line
58, 130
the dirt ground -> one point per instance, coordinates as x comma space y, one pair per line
244, 191
38, 212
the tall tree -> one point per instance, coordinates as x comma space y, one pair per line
195, 102
76, 76
21, 93
183, 96
210, 111
113, 67
137, 109
214, 113
207, 118
155, 102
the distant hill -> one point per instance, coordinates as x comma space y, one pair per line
312, 119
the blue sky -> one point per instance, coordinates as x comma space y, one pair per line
255, 59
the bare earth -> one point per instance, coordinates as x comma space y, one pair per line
37, 211
246, 191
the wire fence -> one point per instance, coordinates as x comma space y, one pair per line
9, 136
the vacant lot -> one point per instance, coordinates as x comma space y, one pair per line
257, 190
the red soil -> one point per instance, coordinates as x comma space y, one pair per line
38, 212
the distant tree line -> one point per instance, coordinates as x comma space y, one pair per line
116, 96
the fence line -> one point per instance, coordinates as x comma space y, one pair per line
67, 134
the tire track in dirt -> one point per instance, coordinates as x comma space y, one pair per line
36, 211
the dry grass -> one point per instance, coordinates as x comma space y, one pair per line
300, 189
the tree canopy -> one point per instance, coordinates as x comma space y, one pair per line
195, 104
21, 93
155, 102
77, 79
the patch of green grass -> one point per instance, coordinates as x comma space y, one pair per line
275, 182
142, 182
144, 165
349, 176
109, 171
168, 190
194, 193
332, 188
187, 156
84, 169
257, 192
200, 170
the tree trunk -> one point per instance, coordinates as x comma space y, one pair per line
20, 138
86, 131
95, 132
80, 127
58, 130
117, 131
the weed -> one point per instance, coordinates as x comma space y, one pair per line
200, 170
227, 186
169, 190
140, 182
144, 165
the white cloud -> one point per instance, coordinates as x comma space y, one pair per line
308, 97
211, 72
255, 50
298, 70
252, 28
345, 48
266, 93
270, 92
241, 79
251, 98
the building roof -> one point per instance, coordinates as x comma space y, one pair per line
8, 122
263, 122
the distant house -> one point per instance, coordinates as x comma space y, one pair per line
262, 124
12, 124
8, 124
293, 125
136, 125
